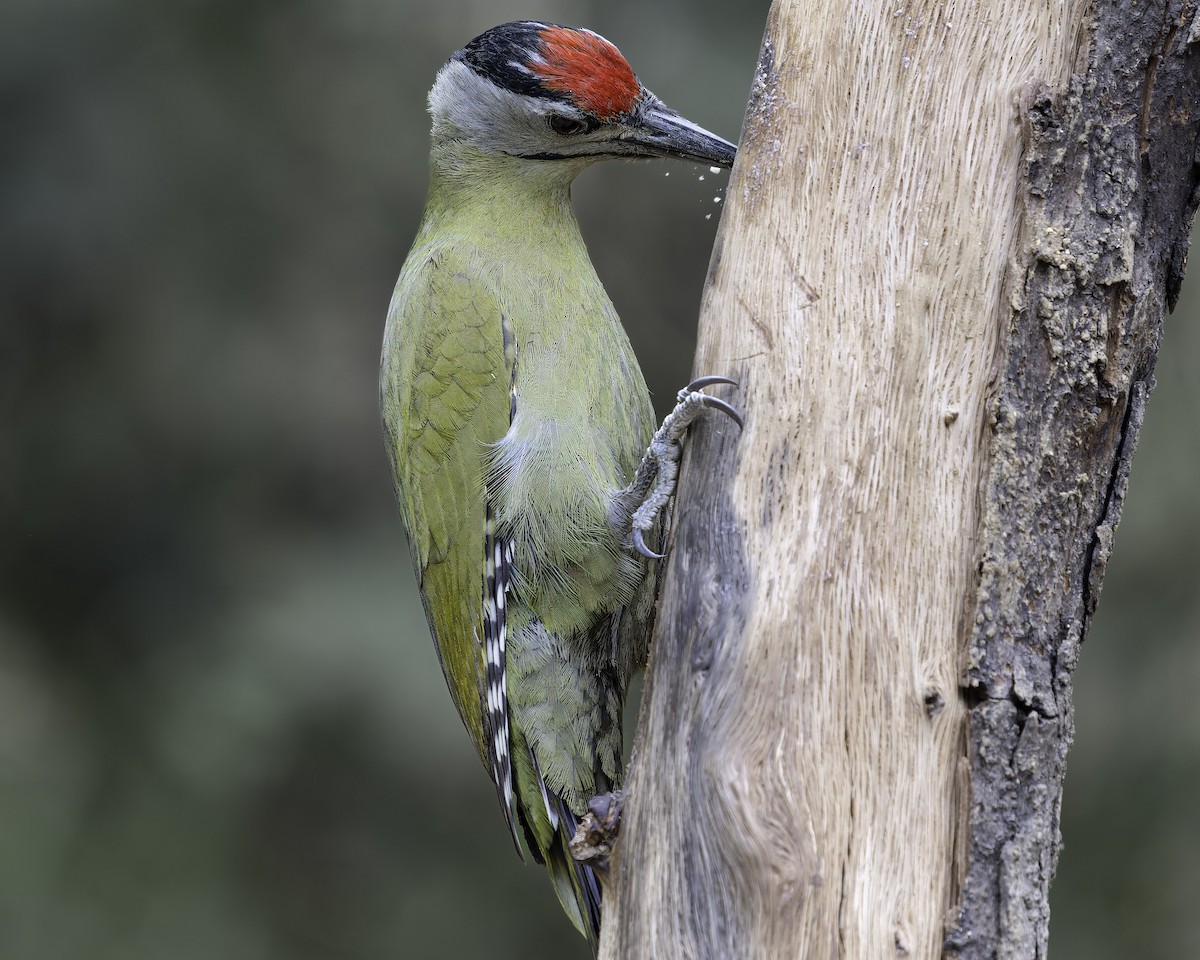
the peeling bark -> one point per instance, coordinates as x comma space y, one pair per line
1108, 196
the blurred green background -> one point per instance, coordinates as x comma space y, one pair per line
223, 731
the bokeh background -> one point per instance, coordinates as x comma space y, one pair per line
223, 731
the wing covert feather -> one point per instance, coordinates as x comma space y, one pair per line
452, 404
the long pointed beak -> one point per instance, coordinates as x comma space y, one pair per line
658, 131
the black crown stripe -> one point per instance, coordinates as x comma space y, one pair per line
494, 55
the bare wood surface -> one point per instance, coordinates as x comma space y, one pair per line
839, 746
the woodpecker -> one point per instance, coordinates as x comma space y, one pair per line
519, 427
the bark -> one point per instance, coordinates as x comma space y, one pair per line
951, 236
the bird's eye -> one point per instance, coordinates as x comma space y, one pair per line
566, 126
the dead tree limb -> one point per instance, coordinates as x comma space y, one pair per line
949, 244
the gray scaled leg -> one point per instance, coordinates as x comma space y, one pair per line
654, 483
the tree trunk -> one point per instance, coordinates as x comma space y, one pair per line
952, 234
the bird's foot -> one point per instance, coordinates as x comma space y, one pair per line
659, 469
598, 830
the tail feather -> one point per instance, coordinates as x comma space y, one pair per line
575, 883
549, 826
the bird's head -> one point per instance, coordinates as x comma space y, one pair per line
547, 93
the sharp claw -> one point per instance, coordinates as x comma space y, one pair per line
725, 408
639, 545
701, 382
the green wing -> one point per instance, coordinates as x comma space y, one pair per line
445, 388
